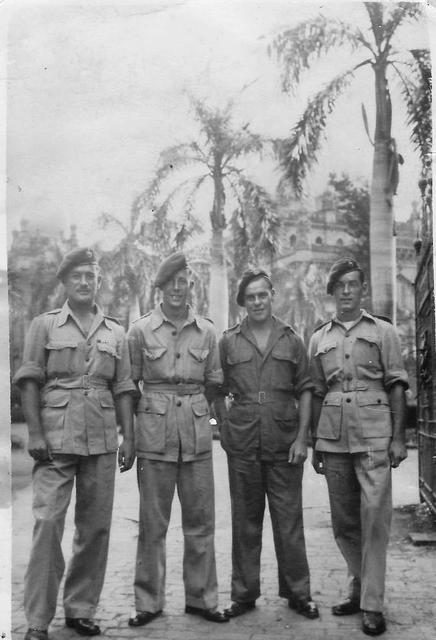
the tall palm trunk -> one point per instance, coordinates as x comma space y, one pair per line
381, 212
218, 286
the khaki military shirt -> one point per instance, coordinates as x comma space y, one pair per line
353, 370
262, 420
79, 375
173, 368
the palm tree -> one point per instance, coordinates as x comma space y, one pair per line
214, 158
296, 49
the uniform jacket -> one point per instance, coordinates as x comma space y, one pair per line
262, 420
78, 376
174, 368
353, 371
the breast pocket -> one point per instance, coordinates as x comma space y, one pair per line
53, 413
151, 424
202, 428
62, 358
367, 355
327, 354
284, 367
196, 363
154, 363
107, 353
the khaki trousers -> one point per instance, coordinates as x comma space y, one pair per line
52, 487
360, 492
251, 482
194, 481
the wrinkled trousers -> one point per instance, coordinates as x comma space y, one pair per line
52, 487
360, 492
250, 482
157, 481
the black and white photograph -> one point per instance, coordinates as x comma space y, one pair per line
217, 291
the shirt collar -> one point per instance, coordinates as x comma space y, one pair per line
66, 312
363, 315
158, 317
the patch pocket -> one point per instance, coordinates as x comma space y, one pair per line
109, 419
61, 357
329, 425
151, 427
202, 428
53, 412
283, 372
154, 353
285, 416
241, 355
367, 351
375, 414
109, 348
199, 355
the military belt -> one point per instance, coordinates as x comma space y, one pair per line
348, 386
263, 397
78, 382
180, 389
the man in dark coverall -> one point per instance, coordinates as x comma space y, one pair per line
359, 414
75, 366
175, 358
265, 369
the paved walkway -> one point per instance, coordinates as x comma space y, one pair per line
410, 603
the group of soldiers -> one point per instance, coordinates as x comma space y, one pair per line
83, 380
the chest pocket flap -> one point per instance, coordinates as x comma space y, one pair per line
283, 354
57, 345
325, 347
371, 341
199, 354
154, 353
108, 347
244, 354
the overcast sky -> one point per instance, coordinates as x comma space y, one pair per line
96, 90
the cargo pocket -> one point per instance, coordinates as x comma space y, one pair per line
109, 420
285, 415
53, 411
202, 428
240, 431
374, 414
329, 425
150, 431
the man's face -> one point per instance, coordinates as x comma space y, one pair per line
175, 291
348, 292
82, 283
258, 299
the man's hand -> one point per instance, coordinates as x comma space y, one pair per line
126, 455
37, 448
297, 452
397, 453
317, 462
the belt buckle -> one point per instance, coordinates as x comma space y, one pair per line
261, 397
86, 382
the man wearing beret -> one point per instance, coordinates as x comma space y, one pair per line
175, 359
359, 414
266, 374
75, 369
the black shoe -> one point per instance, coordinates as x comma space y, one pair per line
212, 615
373, 623
346, 608
83, 626
236, 609
36, 634
143, 617
306, 608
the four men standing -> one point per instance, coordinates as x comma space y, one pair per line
76, 364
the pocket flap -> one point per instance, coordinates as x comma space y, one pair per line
107, 401
154, 353
325, 347
371, 340
242, 355
107, 347
283, 355
199, 354
200, 408
332, 400
56, 398
61, 344
372, 397
149, 404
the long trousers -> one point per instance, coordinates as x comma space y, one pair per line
250, 483
52, 487
360, 493
157, 481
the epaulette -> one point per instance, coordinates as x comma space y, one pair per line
209, 320
54, 311
320, 326
385, 318
116, 320
235, 326
141, 317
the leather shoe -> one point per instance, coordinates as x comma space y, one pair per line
212, 615
306, 608
36, 634
346, 608
143, 617
236, 609
83, 626
373, 623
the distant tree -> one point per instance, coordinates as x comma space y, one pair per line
297, 48
213, 159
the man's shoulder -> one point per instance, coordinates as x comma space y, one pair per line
143, 318
321, 326
112, 319
232, 330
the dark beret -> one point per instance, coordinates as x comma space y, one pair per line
339, 268
175, 262
81, 255
249, 276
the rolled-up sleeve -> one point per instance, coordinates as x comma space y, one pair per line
213, 373
315, 369
394, 371
33, 366
303, 381
123, 382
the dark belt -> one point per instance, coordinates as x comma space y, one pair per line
263, 397
180, 389
78, 382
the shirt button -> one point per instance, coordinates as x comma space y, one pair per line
174, 333
179, 403
347, 355
348, 399
349, 376
177, 355
85, 393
